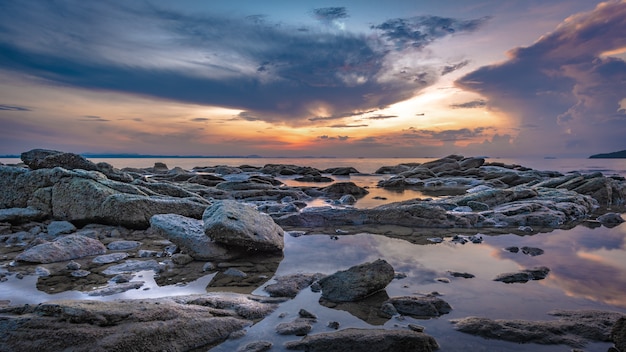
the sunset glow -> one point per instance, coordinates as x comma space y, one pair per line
400, 79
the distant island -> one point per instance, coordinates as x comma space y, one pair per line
614, 155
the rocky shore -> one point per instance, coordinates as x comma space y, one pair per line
91, 227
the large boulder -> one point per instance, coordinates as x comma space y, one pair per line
48, 159
241, 225
618, 334
64, 248
188, 234
357, 340
357, 282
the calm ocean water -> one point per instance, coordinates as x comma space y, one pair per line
366, 165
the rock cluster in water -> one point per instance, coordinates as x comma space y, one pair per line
91, 227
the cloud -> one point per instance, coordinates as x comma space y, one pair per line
381, 117
447, 135
200, 119
274, 72
479, 103
337, 138
329, 14
453, 67
564, 84
419, 31
346, 126
92, 118
13, 108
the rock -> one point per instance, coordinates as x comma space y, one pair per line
610, 219
313, 178
357, 282
181, 323
235, 272
257, 346
117, 288
523, 276
123, 245
463, 275
618, 334
347, 199
72, 265
80, 273
339, 189
48, 159
291, 285
62, 249
574, 328
188, 234
109, 258
357, 340
181, 259
303, 313
532, 251
420, 306
234, 224
20, 215
56, 228
298, 327
341, 171
133, 266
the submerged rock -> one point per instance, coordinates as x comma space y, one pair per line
420, 306
357, 282
291, 285
358, 340
523, 276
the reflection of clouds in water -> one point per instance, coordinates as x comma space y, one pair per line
584, 262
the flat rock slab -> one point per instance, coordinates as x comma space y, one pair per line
234, 224
573, 328
358, 340
64, 248
182, 323
420, 306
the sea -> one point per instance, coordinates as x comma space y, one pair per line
587, 264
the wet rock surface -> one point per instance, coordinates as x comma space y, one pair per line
357, 282
178, 323
573, 328
349, 340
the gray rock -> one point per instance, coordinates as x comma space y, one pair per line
532, 251
56, 228
48, 159
574, 328
257, 346
188, 234
181, 259
117, 288
618, 334
298, 327
291, 285
610, 219
523, 276
420, 306
358, 340
62, 249
72, 265
41, 271
20, 215
181, 323
109, 258
123, 245
235, 224
357, 282
80, 273
133, 266
235, 272
347, 199
343, 188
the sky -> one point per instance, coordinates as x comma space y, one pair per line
399, 78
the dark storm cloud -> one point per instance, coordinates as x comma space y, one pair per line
420, 31
13, 108
564, 84
273, 72
470, 104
